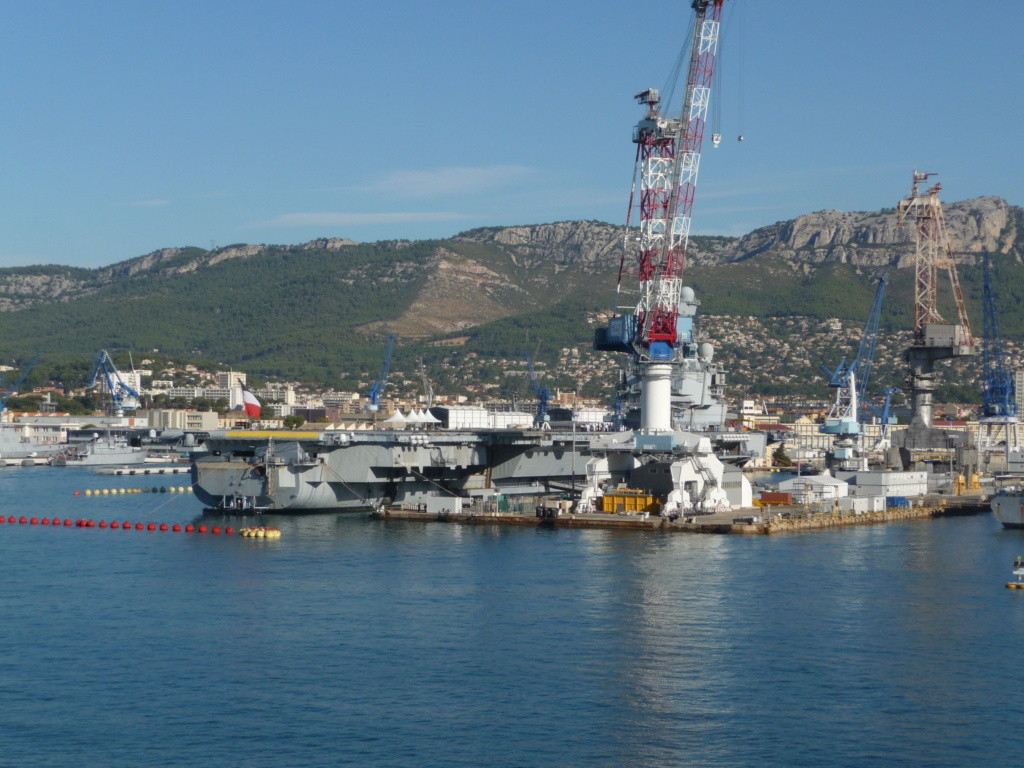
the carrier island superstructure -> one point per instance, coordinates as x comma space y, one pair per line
671, 392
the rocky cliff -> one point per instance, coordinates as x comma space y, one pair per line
512, 265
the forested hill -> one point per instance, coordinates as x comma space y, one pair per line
313, 311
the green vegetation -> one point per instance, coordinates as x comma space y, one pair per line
301, 314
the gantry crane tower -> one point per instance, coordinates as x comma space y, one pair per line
667, 161
934, 339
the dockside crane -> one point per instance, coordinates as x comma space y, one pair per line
122, 396
377, 390
934, 339
850, 380
12, 390
542, 393
658, 334
428, 388
999, 395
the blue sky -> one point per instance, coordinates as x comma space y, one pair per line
128, 127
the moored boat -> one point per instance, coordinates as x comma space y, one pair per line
1008, 507
102, 450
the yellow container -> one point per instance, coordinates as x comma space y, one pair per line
624, 501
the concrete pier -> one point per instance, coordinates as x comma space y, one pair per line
772, 520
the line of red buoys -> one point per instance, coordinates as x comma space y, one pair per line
115, 525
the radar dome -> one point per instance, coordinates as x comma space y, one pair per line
688, 295
706, 351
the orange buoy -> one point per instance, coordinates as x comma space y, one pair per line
163, 526
34, 521
202, 529
140, 527
23, 520
45, 521
151, 527
115, 524
67, 522
176, 528
189, 528
56, 521
90, 524
103, 523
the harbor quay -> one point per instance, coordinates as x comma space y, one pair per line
764, 520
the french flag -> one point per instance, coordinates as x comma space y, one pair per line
249, 402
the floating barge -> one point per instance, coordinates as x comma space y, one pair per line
779, 520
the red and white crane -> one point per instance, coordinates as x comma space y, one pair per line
667, 162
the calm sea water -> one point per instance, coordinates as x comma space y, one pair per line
355, 642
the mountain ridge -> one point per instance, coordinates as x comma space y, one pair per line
326, 303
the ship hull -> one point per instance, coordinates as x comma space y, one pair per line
339, 471
1008, 509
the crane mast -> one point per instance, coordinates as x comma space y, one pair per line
934, 338
668, 160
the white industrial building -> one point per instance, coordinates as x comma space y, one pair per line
808, 489
885, 483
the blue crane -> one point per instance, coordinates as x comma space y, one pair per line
122, 395
850, 378
541, 391
999, 392
886, 419
862, 364
12, 390
377, 390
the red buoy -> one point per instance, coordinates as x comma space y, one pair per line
115, 524
67, 522
34, 521
78, 493
202, 528
176, 528
229, 530
151, 527
90, 524
189, 528
103, 523
23, 520
163, 526
140, 527
45, 521
56, 521
215, 530
12, 519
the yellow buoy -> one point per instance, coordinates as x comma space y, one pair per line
88, 492
120, 490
